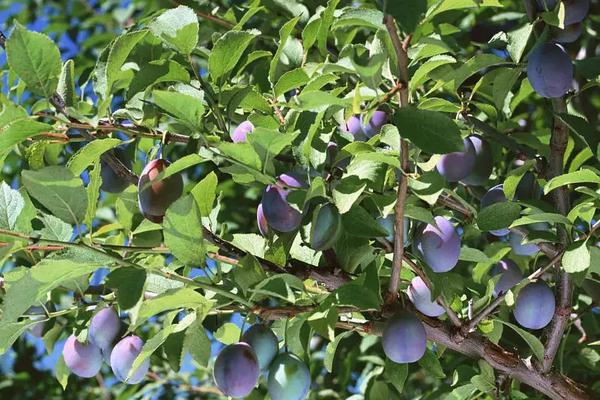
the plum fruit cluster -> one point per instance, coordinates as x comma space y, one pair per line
363, 129
238, 367
85, 359
472, 166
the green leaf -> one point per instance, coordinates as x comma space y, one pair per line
89, 153
35, 59
346, 192
183, 231
284, 34
517, 41
583, 129
408, 13
66, 84
269, 143
177, 28
534, 343
498, 215
61, 372
173, 299
359, 17
431, 131
359, 222
128, 284
11, 205
93, 192
551, 218
18, 131
430, 363
226, 53
156, 72
318, 101
396, 374
331, 348
290, 80
473, 255
205, 192
577, 257
581, 176
197, 343
514, 177
57, 189
228, 333
10, 332
188, 109
55, 229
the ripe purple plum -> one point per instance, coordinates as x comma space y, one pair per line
387, 223
236, 370
404, 339
325, 228
373, 126
104, 328
111, 182
263, 227
83, 359
280, 215
550, 70
290, 180
240, 133
289, 378
575, 10
122, 357
484, 162
510, 275
420, 295
569, 34
459, 164
438, 245
535, 305
155, 196
495, 195
354, 126
264, 343
515, 239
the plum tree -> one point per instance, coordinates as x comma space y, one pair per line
264, 343
155, 196
510, 275
122, 357
438, 245
111, 182
83, 359
484, 162
549, 70
404, 339
326, 227
535, 305
459, 164
289, 378
104, 328
388, 223
236, 370
240, 133
420, 295
492, 196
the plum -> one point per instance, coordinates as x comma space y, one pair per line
404, 339
290, 180
263, 227
515, 240
83, 359
155, 196
492, 196
387, 223
236, 370
438, 245
122, 357
36, 313
546, 5
289, 378
484, 162
569, 34
420, 295
549, 70
459, 164
575, 10
111, 182
325, 228
241, 132
279, 214
373, 126
104, 328
535, 305
528, 188
510, 275
264, 343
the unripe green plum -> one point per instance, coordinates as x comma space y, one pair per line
155, 196
326, 227
404, 338
104, 328
510, 275
264, 343
535, 306
111, 182
550, 70
83, 359
438, 245
420, 295
289, 378
122, 357
236, 370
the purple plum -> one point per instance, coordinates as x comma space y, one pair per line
111, 182
263, 227
122, 357
155, 196
236, 370
104, 328
535, 305
83, 359
240, 133
420, 295
264, 343
484, 162
289, 378
550, 70
569, 34
280, 215
438, 245
373, 126
459, 164
515, 240
404, 339
325, 228
510, 275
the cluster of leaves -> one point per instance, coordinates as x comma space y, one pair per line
178, 80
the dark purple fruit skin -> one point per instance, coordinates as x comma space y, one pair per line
510, 276
528, 188
84, 360
122, 357
550, 70
567, 35
484, 162
495, 195
264, 343
374, 125
438, 245
404, 339
575, 10
263, 227
289, 378
104, 328
154, 198
354, 126
420, 295
459, 164
535, 306
325, 228
111, 182
240, 133
279, 214
236, 370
